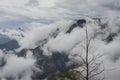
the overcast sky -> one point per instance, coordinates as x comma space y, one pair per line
16, 13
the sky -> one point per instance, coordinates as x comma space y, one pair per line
18, 13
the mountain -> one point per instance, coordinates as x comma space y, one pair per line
55, 46
4, 39
58, 60
9, 38
10, 45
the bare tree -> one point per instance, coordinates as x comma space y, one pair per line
90, 69
91, 65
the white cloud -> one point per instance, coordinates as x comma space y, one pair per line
16, 66
36, 34
65, 42
57, 9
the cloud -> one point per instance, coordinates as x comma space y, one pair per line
16, 66
65, 42
56, 9
111, 4
39, 32
33, 3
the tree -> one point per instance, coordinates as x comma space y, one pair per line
91, 68
91, 65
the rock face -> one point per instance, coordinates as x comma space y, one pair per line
2, 62
48, 64
79, 23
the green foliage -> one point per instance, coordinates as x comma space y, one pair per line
68, 75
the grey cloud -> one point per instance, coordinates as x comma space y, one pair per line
111, 4
62, 9
32, 3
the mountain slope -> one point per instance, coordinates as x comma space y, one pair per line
57, 47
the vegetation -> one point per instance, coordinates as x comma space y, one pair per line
90, 68
68, 75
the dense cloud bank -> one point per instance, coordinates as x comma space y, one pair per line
14, 68
63, 37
